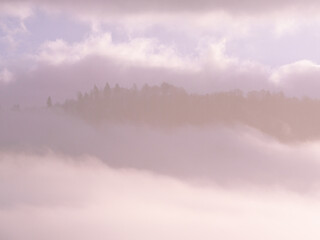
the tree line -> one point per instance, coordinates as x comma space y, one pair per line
286, 118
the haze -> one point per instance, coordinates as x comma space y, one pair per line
175, 120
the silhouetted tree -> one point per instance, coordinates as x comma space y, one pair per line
272, 113
106, 90
49, 102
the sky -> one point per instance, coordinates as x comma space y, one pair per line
62, 177
205, 46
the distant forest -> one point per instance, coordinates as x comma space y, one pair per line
287, 119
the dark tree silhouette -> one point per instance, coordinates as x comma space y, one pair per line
288, 119
49, 102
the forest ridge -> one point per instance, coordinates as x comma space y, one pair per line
287, 119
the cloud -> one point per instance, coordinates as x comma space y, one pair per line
85, 199
146, 60
139, 6
98, 58
298, 79
12, 23
62, 69
225, 155
138, 51
224, 72
19, 9
230, 16
6, 76
113, 181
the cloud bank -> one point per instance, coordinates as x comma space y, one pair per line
84, 199
62, 178
229, 156
139, 6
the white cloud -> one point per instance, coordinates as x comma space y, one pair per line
6, 76
231, 16
138, 6
300, 78
211, 64
235, 157
84, 199
296, 68
217, 56
19, 9
146, 60
288, 25
138, 51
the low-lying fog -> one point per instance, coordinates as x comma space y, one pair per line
61, 176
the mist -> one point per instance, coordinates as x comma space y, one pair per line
136, 120
83, 198
231, 156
